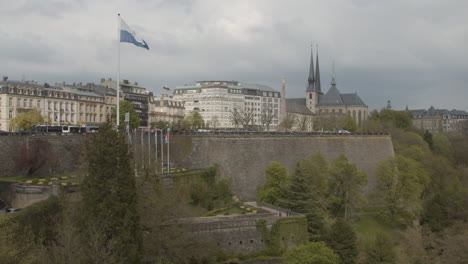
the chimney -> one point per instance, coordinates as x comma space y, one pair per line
102, 80
5, 78
136, 83
125, 81
110, 79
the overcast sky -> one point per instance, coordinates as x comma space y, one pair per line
412, 52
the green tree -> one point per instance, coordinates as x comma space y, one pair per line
442, 146
400, 183
428, 138
196, 120
312, 253
124, 107
272, 191
342, 239
381, 251
346, 183
27, 119
349, 124
109, 198
306, 193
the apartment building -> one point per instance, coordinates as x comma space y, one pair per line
60, 104
230, 104
165, 108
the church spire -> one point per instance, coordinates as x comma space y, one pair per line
333, 81
311, 80
318, 85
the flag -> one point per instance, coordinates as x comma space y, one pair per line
130, 36
166, 138
166, 88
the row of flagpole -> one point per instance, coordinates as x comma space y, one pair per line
164, 135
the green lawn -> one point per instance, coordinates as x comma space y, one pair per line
367, 227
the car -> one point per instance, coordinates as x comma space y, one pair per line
12, 210
343, 132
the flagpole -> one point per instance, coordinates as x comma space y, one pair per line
162, 152
168, 164
118, 72
156, 149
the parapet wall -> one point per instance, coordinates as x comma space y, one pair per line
241, 158
244, 158
242, 234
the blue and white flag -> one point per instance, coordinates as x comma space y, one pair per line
130, 36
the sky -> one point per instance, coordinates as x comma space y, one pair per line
412, 52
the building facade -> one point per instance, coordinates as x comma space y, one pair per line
165, 108
60, 104
439, 120
138, 96
316, 105
230, 104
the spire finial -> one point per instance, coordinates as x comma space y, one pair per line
311, 79
333, 82
318, 85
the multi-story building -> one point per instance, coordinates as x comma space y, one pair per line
165, 108
138, 96
435, 120
230, 104
60, 104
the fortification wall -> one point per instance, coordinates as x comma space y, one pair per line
241, 158
53, 154
244, 159
243, 233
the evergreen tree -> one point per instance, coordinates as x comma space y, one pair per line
306, 193
381, 251
109, 204
342, 239
428, 138
345, 187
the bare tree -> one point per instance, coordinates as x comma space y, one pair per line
266, 117
235, 117
247, 115
214, 121
289, 121
303, 122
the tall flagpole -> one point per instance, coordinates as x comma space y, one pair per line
162, 152
118, 72
168, 164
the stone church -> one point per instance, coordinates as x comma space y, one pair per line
307, 110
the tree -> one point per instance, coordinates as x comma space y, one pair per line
272, 191
306, 193
196, 120
214, 121
109, 198
428, 138
400, 183
346, 184
349, 124
266, 117
312, 253
442, 146
381, 251
26, 120
124, 107
288, 122
342, 239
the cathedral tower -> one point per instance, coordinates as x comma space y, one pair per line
313, 88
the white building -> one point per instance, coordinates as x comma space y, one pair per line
230, 104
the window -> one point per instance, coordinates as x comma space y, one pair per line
30, 102
18, 102
38, 103
10, 101
10, 114
25, 102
